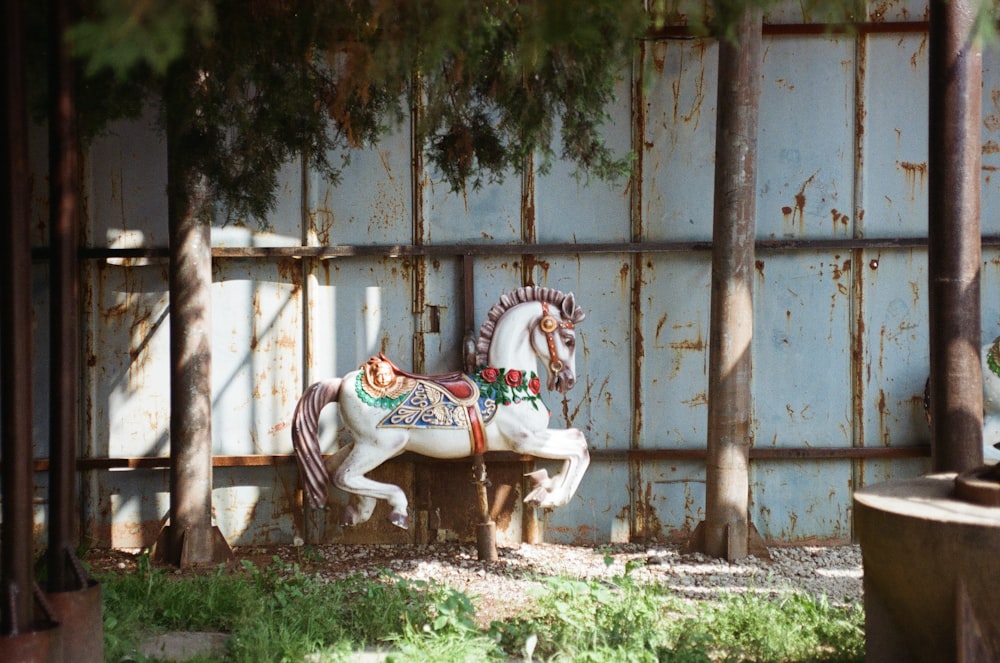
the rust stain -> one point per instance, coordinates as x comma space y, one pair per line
839, 219
696, 344
759, 266
647, 523
659, 326
914, 172
883, 413
701, 398
840, 270
917, 56
623, 274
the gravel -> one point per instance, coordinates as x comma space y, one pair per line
502, 588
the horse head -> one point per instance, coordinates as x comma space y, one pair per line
553, 336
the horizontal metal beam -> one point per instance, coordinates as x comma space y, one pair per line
605, 455
802, 29
406, 250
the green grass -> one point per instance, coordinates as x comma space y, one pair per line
280, 613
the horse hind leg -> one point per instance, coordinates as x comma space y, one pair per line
350, 477
359, 508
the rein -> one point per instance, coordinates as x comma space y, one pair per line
549, 324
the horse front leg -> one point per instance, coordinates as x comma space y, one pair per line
350, 477
568, 445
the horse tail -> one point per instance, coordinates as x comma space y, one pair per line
305, 438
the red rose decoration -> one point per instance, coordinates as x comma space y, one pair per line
534, 385
513, 378
489, 374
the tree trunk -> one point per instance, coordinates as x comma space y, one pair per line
190, 539
726, 528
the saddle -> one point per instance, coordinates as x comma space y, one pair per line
420, 408
456, 383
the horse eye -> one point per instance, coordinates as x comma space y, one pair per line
569, 341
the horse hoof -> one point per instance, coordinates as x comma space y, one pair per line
400, 520
536, 497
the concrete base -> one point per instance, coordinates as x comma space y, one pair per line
931, 572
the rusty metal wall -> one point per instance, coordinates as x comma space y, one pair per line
840, 337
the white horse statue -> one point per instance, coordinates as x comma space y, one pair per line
991, 401
498, 408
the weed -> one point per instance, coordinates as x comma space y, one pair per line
281, 613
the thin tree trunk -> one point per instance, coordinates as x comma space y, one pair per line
726, 527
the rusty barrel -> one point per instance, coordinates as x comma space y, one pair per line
931, 572
42, 644
80, 614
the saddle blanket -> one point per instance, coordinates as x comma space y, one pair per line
429, 406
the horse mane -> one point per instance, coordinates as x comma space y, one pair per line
565, 302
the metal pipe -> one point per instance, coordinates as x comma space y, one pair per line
804, 29
954, 249
727, 485
596, 455
463, 251
64, 159
16, 585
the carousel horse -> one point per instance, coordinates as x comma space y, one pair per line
497, 408
990, 356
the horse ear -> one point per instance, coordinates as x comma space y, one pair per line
570, 310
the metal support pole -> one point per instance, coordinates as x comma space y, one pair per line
17, 479
954, 244
64, 222
486, 529
726, 527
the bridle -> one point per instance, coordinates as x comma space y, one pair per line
549, 324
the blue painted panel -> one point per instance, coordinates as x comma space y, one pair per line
896, 349
669, 497
598, 511
801, 500
257, 505
372, 202
894, 176
256, 355
805, 158
571, 208
488, 215
126, 360
674, 303
601, 402
126, 185
678, 145
801, 351
991, 146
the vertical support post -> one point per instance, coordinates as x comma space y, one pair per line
190, 538
64, 226
486, 529
954, 242
726, 527
16, 477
